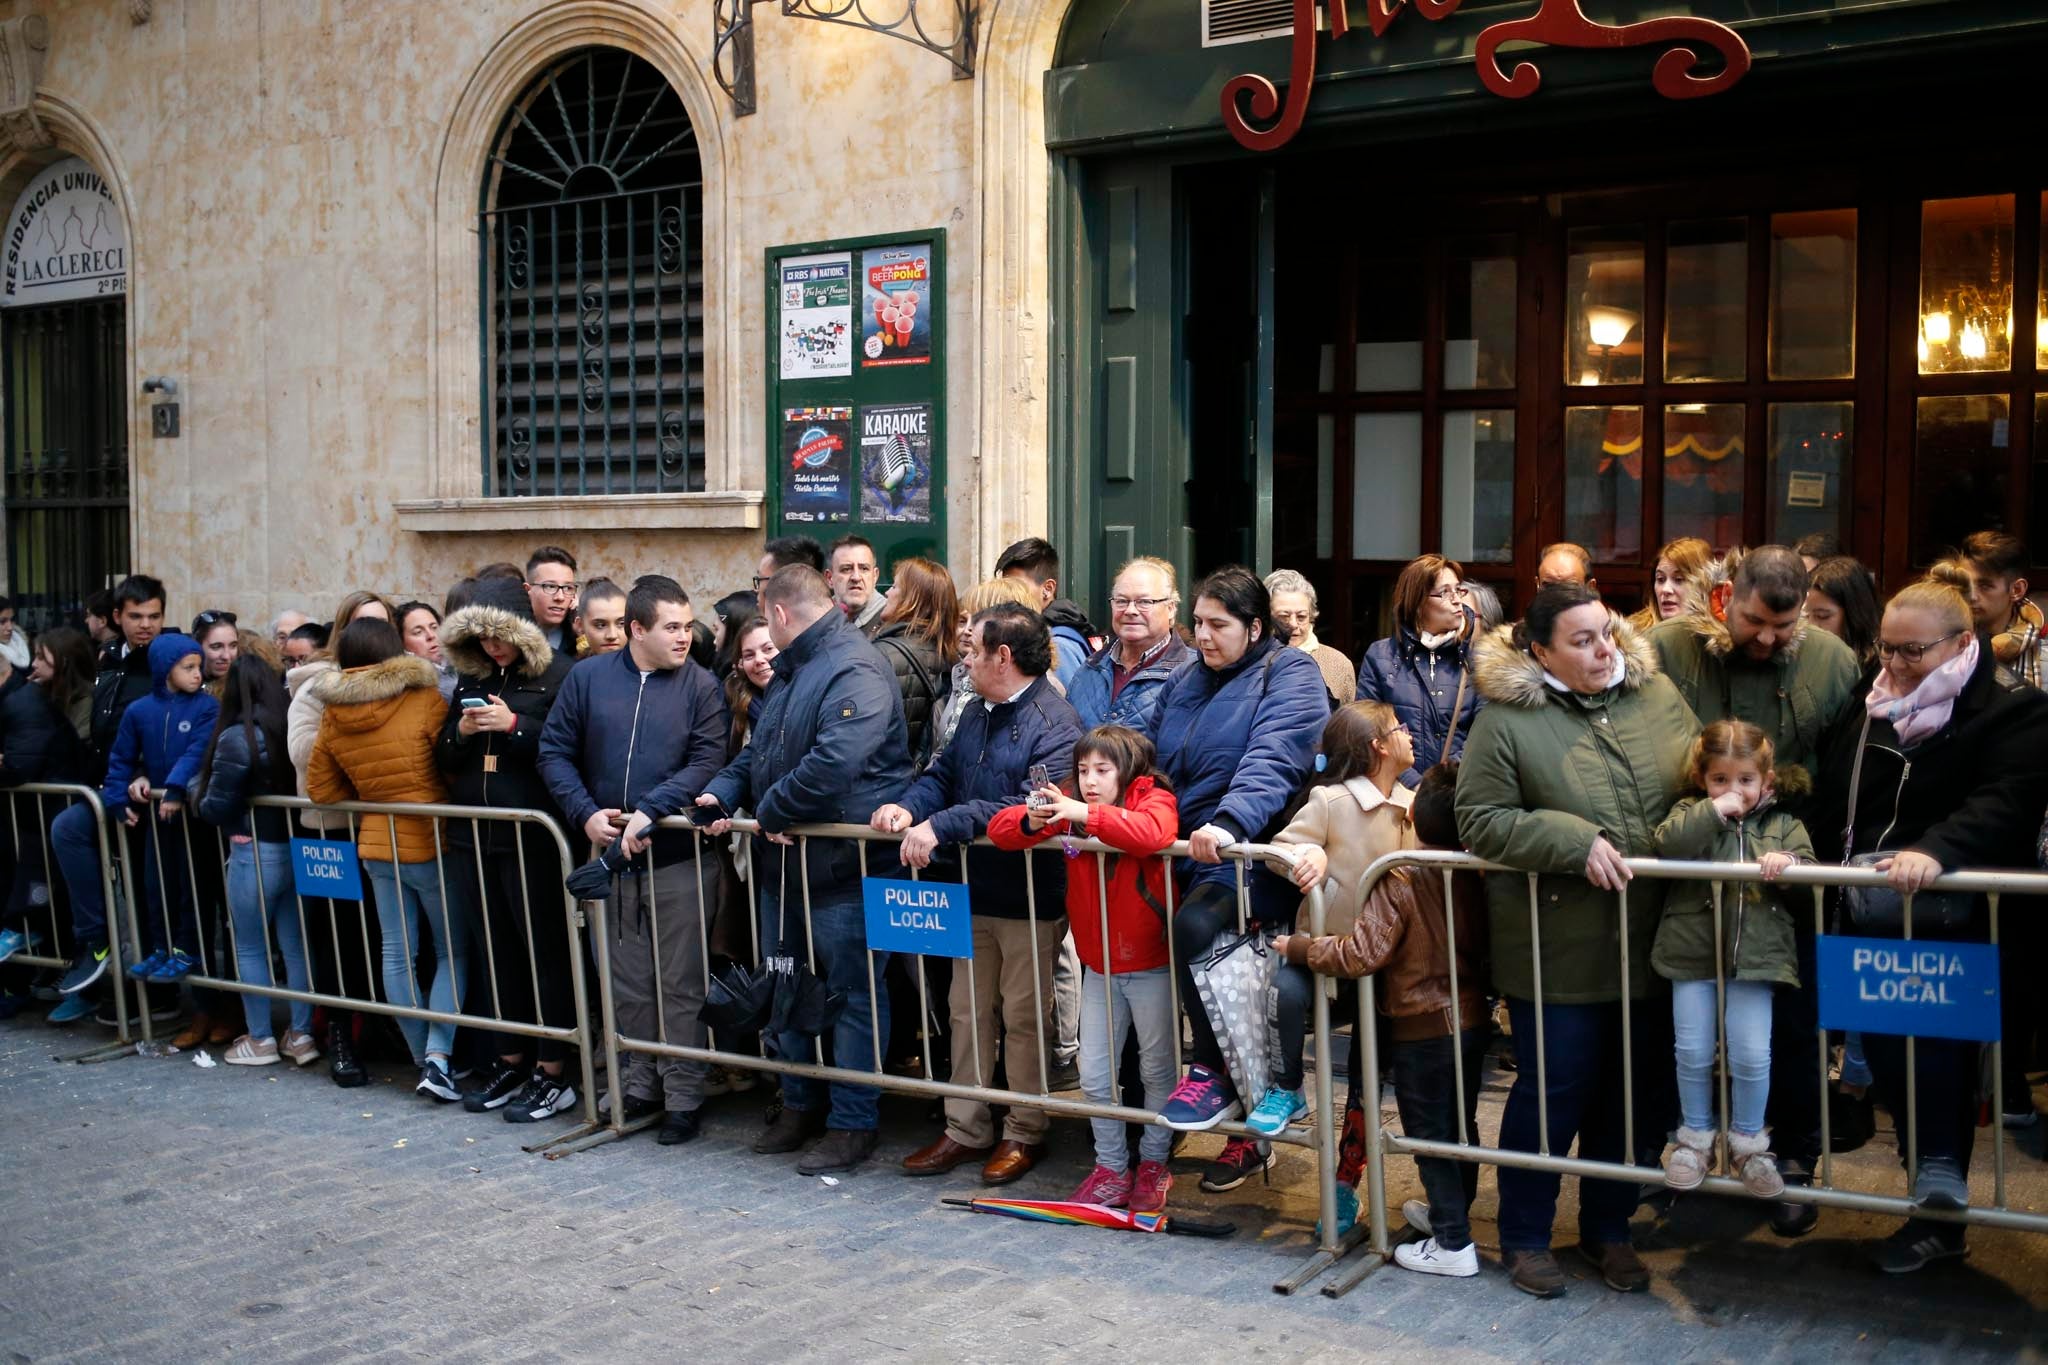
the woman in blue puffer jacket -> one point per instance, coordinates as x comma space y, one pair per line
1422, 669
1236, 732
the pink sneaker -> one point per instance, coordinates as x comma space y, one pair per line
1148, 1194
1104, 1188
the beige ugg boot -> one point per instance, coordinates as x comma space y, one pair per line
1691, 1159
1754, 1164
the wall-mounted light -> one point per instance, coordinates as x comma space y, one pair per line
945, 27
1608, 327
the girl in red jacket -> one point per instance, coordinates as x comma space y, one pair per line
1124, 984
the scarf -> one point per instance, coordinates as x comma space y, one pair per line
1614, 679
1923, 711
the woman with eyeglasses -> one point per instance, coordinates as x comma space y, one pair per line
1295, 608
1953, 774
1120, 683
219, 642
1423, 670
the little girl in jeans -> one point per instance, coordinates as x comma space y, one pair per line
1124, 987
1734, 821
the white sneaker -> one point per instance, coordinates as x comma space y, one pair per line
1416, 1211
1427, 1258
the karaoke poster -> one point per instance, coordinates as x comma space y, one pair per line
817, 466
896, 463
817, 316
896, 305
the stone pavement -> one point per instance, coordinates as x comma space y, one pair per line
156, 1210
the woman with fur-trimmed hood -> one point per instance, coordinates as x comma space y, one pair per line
507, 679
1577, 757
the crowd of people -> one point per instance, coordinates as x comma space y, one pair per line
1761, 708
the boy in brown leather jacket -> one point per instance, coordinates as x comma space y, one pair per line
1403, 935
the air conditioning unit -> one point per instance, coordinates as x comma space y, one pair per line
1244, 21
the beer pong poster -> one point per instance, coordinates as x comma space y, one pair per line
896, 312
817, 466
896, 463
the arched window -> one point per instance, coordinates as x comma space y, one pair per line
591, 232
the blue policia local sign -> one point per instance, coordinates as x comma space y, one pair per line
918, 917
327, 867
1918, 988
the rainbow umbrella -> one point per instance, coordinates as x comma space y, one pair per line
1075, 1214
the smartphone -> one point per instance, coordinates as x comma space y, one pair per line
474, 703
1039, 776
700, 816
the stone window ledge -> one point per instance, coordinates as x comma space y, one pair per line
617, 512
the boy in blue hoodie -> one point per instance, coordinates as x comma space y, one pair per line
161, 742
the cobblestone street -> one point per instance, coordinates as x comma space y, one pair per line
156, 1210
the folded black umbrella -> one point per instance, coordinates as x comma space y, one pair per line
738, 1000
803, 1003
593, 880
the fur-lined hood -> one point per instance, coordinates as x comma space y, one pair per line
463, 634
365, 687
1509, 676
1699, 617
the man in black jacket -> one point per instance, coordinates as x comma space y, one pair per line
74, 836
632, 737
829, 748
1006, 989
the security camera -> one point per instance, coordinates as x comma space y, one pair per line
158, 383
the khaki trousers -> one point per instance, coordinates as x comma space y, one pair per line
1001, 994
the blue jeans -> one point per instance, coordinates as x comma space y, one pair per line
409, 895
840, 936
1582, 1044
75, 843
1749, 1053
1140, 1002
260, 894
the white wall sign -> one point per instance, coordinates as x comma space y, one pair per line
65, 239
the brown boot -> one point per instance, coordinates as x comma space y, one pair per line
1619, 1266
196, 1032
1534, 1272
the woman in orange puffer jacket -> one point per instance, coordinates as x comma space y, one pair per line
377, 735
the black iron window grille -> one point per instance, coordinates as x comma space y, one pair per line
592, 240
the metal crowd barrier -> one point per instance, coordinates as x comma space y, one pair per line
196, 841
48, 927
1319, 1134
1824, 1192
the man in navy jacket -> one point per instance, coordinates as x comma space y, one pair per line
1007, 990
632, 736
830, 746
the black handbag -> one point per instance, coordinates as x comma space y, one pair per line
1879, 909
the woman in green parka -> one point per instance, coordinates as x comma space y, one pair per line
1735, 819
1571, 766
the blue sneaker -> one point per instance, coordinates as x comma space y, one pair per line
13, 941
154, 962
85, 969
1276, 1111
176, 967
73, 1009
1347, 1212
1201, 1101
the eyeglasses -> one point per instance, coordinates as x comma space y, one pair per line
1912, 653
1146, 604
555, 589
1444, 594
206, 620
759, 579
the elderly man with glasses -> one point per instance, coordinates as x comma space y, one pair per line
1120, 684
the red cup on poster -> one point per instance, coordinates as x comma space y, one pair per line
903, 325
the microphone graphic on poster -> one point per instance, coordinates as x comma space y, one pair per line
896, 463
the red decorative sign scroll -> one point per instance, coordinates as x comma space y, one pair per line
1556, 23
